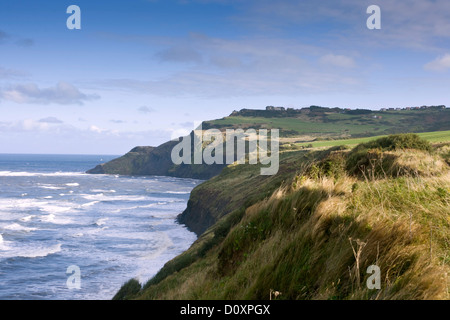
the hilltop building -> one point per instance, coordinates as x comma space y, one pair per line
272, 108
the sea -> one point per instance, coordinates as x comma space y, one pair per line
68, 235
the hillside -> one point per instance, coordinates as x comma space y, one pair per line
298, 128
312, 230
155, 161
320, 123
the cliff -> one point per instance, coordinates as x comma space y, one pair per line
237, 186
156, 161
312, 230
315, 122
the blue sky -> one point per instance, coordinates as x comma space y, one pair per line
140, 72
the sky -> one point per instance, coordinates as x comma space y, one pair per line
141, 72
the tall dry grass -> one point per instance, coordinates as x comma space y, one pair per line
316, 235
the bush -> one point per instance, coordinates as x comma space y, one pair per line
372, 163
128, 290
179, 262
396, 142
444, 151
371, 156
333, 166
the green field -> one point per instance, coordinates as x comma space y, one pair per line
434, 137
329, 125
307, 126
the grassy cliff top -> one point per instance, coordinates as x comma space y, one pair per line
312, 231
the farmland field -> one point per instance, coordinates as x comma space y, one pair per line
433, 137
333, 125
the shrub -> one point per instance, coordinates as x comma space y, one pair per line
332, 166
128, 290
182, 261
396, 142
375, 159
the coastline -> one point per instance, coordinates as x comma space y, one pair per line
53, 217
251, 228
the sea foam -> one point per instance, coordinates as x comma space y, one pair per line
34, 251
18, 227
38, 174
73, 184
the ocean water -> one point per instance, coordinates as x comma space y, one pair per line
111, 227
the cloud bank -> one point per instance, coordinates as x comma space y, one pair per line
63, 93
440, 64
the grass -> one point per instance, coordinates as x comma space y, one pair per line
306, 253
300, 126
314, 235
336, 125
128, 290
433, 137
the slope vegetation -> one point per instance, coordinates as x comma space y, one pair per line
313, 232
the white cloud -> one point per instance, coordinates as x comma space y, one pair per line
3, 35
96, 129
23, 42
32, 136
180, 54
440, 64
26, 42
10, 73
338, 61
50, 120
62, 93
253, 67
117, 121
145, 109
421, 24
226, 62
177, 133
30, 125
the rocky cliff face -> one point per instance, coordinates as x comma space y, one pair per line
205, 206
236, 187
